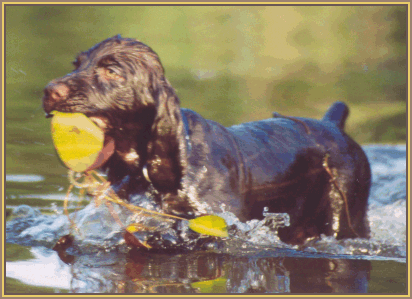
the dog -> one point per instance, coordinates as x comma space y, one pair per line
191, 166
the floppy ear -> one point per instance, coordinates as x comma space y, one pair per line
166, 150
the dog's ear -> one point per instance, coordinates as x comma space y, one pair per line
166, 149
166, 144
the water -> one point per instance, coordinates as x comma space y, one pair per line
24, 178
252, 260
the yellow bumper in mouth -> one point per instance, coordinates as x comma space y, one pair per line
79, 142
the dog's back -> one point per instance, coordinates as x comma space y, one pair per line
288, 164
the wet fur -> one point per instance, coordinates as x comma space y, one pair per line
196, 166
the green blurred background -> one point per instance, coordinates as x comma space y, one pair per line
231, 64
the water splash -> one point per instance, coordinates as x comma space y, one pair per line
387, 216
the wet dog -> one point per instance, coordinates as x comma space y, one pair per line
191, 166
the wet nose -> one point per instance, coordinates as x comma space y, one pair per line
56, 92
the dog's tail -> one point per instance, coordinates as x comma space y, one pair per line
337, 114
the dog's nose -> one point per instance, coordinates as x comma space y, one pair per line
56, 92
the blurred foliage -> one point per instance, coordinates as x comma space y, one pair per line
231, 64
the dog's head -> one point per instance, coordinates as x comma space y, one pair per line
120, 84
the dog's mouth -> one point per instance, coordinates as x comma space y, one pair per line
101, 122
104, 155
109, 145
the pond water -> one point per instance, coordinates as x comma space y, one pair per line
253, 260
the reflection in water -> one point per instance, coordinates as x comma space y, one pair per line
329, 275
201, 272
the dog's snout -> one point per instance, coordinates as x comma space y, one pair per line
56, 92
53, 94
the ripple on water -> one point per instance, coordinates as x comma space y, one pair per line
24, 178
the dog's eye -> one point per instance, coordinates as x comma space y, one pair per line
111, 74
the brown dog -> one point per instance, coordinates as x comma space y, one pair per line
191, 166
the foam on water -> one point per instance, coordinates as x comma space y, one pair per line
387, 202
